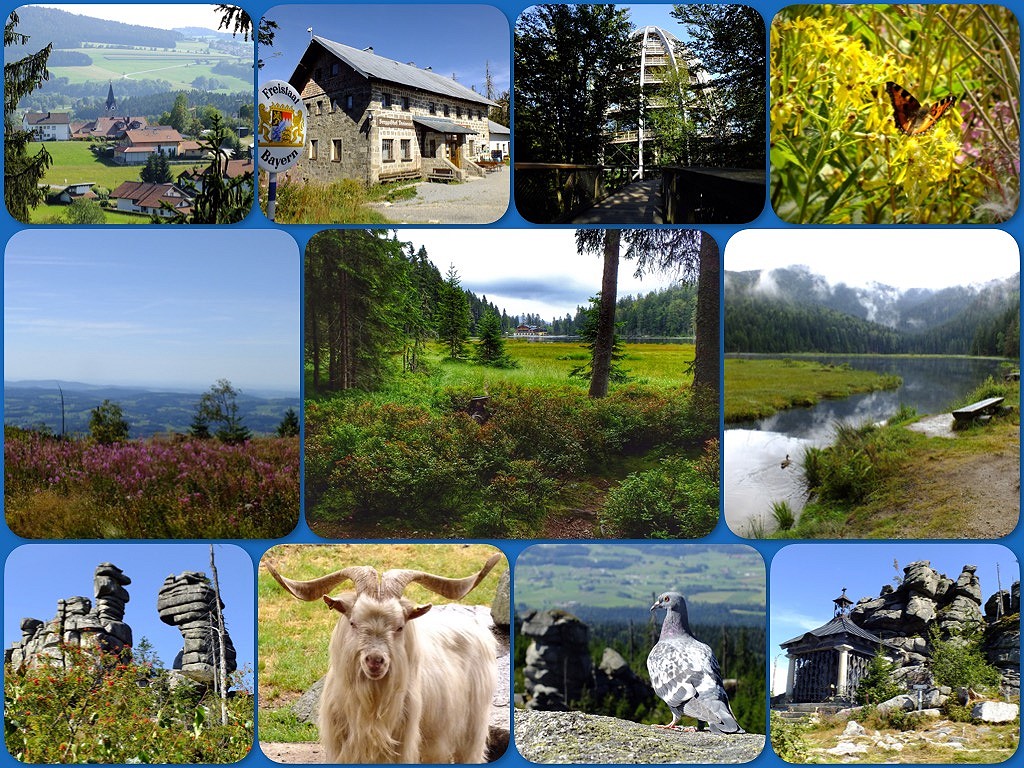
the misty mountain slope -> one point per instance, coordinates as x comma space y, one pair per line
794, 310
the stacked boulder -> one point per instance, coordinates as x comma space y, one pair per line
558, 668
904, 615
80, 622
188, 602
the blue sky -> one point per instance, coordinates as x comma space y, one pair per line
36, 576
157, 307
457, 39
805, 578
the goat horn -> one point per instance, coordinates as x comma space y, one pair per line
363, 576
395, 581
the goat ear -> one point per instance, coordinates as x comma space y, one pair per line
416, 611
339, 605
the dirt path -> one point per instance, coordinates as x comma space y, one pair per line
297, 752
953, 495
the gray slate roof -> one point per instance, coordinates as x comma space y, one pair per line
48, 118
493, 128
370, 65
441, 125
840, 625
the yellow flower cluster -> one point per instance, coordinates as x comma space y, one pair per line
837, 156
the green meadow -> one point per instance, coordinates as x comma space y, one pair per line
74, 162
180, 66
755, 389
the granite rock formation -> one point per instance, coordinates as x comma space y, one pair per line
558, 669
188, 602
96, 625
905, 615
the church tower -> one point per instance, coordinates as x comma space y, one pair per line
111, 103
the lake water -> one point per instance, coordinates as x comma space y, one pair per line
753, 452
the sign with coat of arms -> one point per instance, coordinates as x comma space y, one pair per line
281, 126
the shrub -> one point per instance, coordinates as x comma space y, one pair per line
877, 684
788, 739
679, 499
86, 708
959, 661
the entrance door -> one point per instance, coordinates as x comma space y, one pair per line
453, 151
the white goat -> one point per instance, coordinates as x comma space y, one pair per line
398, 690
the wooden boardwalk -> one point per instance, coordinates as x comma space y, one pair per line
636, 203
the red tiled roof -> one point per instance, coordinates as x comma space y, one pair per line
157, 134
147, 195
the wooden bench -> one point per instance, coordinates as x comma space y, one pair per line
411, 173
441, 174
981, 409
1012, 376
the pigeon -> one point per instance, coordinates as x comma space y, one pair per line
685, 673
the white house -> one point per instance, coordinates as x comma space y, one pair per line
501, 137
48, 126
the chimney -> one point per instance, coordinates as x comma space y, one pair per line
428, 69
368, 49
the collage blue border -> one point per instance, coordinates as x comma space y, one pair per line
512, 548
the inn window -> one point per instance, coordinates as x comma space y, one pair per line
334, 68
317, 74
447, 110
406, 149
320, 107
312, 149
348, 102
387, 150
335, 150
385, 100
432, 108
458, 112
405, 103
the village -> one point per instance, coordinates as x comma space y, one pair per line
159, 170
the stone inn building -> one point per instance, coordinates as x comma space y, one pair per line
374, 119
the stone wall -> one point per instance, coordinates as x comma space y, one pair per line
362, 128
80, 622
188, 602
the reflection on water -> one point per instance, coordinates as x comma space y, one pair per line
753, 451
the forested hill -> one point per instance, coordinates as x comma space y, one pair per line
70, 30
794, 310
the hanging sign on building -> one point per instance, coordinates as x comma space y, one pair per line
281, 126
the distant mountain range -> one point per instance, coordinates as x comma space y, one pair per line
148, 412
793, 309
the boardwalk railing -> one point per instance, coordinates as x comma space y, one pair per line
711, 195
549, 193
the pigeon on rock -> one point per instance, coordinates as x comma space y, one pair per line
685, 673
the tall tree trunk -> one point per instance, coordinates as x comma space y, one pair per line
601, 365
706, 364
221, 683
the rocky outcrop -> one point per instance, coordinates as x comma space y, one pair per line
558, 667
575, 737
905, 615
95, 625
559, 670
189, 603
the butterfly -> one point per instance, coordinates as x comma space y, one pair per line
910, 117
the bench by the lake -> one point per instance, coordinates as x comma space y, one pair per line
1012, 376
982, 408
